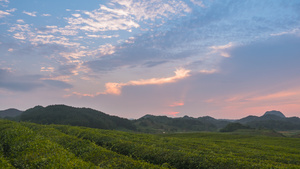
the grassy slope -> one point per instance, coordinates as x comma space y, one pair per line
28, 145
198, 150
116, 149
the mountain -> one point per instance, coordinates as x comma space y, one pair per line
10, 113
233, 127
247, 119
160, 124
274, 112
62, 114
274, 120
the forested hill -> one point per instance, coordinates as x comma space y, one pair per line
67, 115
62, 114
157, 124
9, 113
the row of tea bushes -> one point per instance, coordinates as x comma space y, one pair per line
89, 151
23, 148
207, 152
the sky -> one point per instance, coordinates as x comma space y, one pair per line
219, 58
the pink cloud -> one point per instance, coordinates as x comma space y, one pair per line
175, 104
172, 113
278, 95
115, 88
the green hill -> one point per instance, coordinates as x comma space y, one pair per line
273, 120
30, 145
62, 114
10, 113
233, 127
162, 124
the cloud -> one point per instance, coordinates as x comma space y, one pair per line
212, 31
176, 104
20, 83
11, 10
275, 57
115, 88
199, 3
30, 13
98, 21
125, 15
103, 36
47, 69
4, 3
278, 95
222, 49
3, 14
58, 84
67, 70
46, 14
51, 39
25, 83
20, 21
174, 114
262, 73
154, 63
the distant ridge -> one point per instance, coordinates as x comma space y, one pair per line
274, 120
276, 113
158, 124
62, 114
67, 115
10, 113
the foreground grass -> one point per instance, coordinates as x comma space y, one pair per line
27, 145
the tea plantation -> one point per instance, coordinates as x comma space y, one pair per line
28, 145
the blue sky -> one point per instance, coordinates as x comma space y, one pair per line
225, 59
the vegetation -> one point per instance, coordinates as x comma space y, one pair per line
67, 115
61, 114
87, 150
28, 145
198, 150
23, 148
160, 124
233, 127
10, 113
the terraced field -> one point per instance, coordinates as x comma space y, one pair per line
28, 145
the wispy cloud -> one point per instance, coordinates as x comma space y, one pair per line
198, 2
30, 13
46, 14
3, 14
277, 95
20, 21
126, 15
115, 88
4, 3
222, 49
24, 83
7, 12
103, 36
172, 113
176, 104
47, 69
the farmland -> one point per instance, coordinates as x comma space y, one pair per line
29, 145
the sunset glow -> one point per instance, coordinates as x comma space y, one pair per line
135, 57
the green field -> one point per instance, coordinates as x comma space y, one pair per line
28, 145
